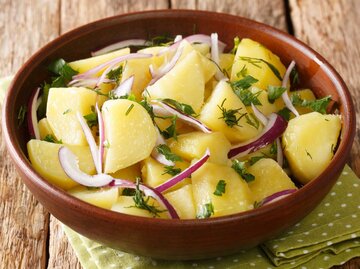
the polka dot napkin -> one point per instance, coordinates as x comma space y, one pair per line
329, 236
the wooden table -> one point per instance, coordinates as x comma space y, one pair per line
29, 236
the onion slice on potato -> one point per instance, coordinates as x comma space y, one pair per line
156, 155
32, 116
277, 196
285, 95
124, 88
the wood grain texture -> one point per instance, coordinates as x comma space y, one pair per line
267, 11
331, 28
25, 26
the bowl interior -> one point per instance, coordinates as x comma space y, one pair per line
314, 71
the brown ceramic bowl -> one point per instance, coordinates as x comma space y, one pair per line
177, 239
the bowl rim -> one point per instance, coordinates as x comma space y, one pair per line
23, 163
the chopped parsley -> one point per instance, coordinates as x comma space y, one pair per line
206, 210
318, 105
52, 139
257, 61
91, 118
171, 170
129, 109
255, 159
243, 72
220, 188
128, 192
166, 151
145, 104
230, 115
252, 120
273, 148
185, 108
170, 131
115, 74
294, 76
236, 45
240, 168
66, 111
308, 154
285, 113
274, 92
21, 114
241, 89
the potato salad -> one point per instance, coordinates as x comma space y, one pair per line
179, 128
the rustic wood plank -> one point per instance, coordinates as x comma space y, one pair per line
271, 12
25, 26
61, 254
331, 27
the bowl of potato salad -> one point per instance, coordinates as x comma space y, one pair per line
178, 134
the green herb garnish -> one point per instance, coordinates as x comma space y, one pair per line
171, 170
318, 105
21, 114
206, 210
274, 92
128, 192
241, 89
166, 151
52, 139
63, 71
273, 148
220, 188
129, 109
230, 115
243, 72
240, 168
66, 111
185, 108
115, 74
236, 45
256, 61
91, 118
285, 113
308, 154
170, 131
255, 159
294, 76
252, 120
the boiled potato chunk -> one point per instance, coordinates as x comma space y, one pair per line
309, 142
44, 158
266, 107
257, 69
226, 61
211, 114
101, 197
185, 83
269, 179
153, 173
129, 132
129, 173
86, 64
126, 205
183, 202
62, 106
237, 196
44, 128
305, 94
193, 145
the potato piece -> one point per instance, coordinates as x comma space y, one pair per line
44, 128
266, 107
257, 69
86, 64
153, 173
44, 158
129, 173
101, 197
269, 179
157, 61
305, 94
237, 196
126, 205
211, 114
193, 146
309, 141
129, 132
62, 105
226, 61
203, 48
183, 202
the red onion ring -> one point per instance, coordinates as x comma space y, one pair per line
119, 45
125, 87
32, 116
184, 174
156, 155
215, 55
275, 128
262, 118
277, 196
285, 96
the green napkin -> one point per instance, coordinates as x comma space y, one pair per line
328, 236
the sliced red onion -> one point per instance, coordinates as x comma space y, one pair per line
184, 174
157, 74
178, 38
101, 137
215, 55
162, 109
199, 38
88, 82
261, 117
124, 88
32, 116
148, 191
69, 163
92, 72
91, 141
275, 128
285, 95
156, 155
277, 196
119, 45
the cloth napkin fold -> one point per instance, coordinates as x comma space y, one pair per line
328, 236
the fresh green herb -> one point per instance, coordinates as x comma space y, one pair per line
92, 188
66, 111
236, 45
166, 151
257, 61
129, 109
52, 139
273, 148
171, 170
308, 154
274, 92
187, 109
142, 203
145, 104
255, 159
206, 210
257, 204
318, 105
63, 71
41, 112
285, 113
241, 89
21, 114
220, 188
240, 168
229, 115
91, 118
252, 120
170, 131
243, 72
128, 192
115, 74
294, 76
